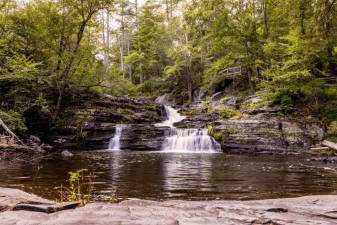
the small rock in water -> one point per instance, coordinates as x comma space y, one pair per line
46, 147
67, 154
33, 140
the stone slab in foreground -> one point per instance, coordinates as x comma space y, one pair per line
303, 210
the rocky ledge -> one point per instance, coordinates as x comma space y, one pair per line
271, 135
303, 210
91, 124
260, 130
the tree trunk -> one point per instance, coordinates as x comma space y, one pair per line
329, 144
65, 75
250, 80
265, 18
302, 16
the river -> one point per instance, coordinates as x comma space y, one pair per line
167, 175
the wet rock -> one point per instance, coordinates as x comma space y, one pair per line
198, 121
103, 116
47, 147
34, 141
264, 222
143, 137
277, 210
67, 154
135, 137
45, 207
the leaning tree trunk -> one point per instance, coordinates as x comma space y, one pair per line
7, 130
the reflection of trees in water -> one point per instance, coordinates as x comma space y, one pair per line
162, 175
187, 172
138, 175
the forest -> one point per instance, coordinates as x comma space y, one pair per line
51, 49
164, 111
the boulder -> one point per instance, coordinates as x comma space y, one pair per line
38, 122
34, 141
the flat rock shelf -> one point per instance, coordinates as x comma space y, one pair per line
320, 209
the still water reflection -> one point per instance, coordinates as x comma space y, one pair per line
162, 176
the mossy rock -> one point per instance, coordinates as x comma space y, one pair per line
219, 135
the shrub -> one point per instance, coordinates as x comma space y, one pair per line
146, 87
225, 113
79, 189
287, 104
332, 129
14, 121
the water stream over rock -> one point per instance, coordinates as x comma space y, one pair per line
114, 143
186, 140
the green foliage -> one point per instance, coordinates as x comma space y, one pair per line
218, 135
329, 152
42, 102
14, 121
149, 87
286, 49
214, 75
332, 129
120, 87
80, 186
225, 113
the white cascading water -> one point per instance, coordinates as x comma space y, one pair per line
114, 143
186, 140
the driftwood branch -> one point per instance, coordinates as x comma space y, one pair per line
329, 144
11, 133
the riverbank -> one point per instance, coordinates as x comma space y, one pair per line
320, 209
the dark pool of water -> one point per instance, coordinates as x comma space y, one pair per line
160, 176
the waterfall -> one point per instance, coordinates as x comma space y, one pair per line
172, 117
114, 143
186, 140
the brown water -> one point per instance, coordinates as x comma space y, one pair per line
160, 176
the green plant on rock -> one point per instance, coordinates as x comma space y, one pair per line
329, 152
81, 121
226, 113
332, 132
332, 129
80, 186
218, 135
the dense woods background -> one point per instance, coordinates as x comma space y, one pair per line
52, 52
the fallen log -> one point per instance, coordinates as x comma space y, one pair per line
319, 148
330, 144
